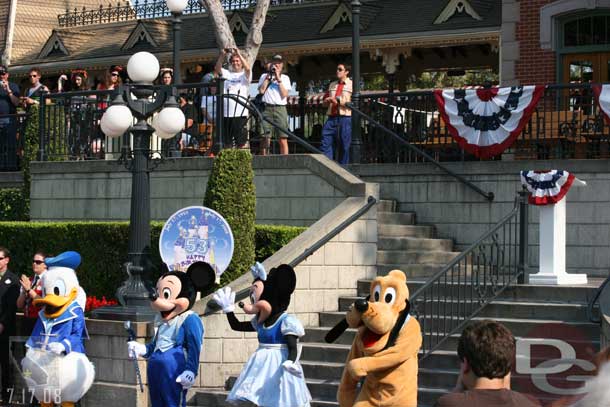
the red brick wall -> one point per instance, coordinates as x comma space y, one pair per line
535, 66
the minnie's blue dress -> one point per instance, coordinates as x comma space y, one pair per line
263, 381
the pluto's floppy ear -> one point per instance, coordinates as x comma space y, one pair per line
202, 275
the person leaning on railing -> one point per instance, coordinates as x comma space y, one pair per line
274, 86
237, 81
9, 100
338, 128
36, 90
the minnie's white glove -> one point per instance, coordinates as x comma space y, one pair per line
292, 368
186, 379
56, 347
135, 349
225, 298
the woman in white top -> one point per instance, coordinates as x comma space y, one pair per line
237, 81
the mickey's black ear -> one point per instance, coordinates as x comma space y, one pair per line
202, 275
285, 279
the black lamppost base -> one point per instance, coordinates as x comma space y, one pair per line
133, 313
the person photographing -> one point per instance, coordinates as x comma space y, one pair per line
274, 87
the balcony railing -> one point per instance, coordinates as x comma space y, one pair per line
567, 123
12, 141
147, 9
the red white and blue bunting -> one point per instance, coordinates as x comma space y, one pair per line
546, 187
602, 95
485, 122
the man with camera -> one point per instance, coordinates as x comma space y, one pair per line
237, 81
274, 87
9, 100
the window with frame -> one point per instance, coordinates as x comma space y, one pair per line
587, 31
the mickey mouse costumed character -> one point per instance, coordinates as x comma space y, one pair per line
55, 367
173, 354
272, 376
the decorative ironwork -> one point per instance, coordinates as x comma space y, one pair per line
457, 293
147, 9
70, 126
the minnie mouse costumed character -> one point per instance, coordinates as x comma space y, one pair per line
173, 354
272, 377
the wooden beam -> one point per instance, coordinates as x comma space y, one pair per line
439, 52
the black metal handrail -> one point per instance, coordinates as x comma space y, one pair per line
594, 300
487, 195
212, 307
247, 103
451, 298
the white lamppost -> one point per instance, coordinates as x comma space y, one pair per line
140, 100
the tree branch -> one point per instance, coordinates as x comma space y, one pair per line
255, 34
224, 36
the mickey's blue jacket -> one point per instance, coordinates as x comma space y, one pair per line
189, 337
68, 329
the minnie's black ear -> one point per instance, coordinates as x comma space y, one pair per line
285, 279
202, 275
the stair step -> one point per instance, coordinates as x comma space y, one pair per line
396, 218
386, 205
500, 308
414, 243
412, 271
415, 257
426, 231
217, 398
580, 294
519, 327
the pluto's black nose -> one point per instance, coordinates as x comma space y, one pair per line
361, 305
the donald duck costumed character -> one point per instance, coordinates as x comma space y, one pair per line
55, 366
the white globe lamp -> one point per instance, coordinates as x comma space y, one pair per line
176, 6
143, 67
170, 120
158, 132
116, 120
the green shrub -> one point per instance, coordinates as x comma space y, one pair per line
271, 238
13, 205
230, 192
103, 247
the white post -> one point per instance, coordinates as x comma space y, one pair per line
553, 247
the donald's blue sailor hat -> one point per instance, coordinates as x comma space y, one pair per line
66, 259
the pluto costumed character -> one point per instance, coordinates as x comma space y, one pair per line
273, 376
55, 367
173, 354
385, 349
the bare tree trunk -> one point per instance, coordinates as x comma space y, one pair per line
224, 36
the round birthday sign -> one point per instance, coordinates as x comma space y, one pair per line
196, 233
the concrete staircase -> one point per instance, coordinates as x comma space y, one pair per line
528, 311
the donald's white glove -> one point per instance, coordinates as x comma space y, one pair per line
57, 348
135, 349
225, 298
292, 368
186, 379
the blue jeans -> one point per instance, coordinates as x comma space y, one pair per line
337, 129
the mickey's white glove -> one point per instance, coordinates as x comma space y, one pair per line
225, 298
292, 368
186, 379
135, 349
56, 347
